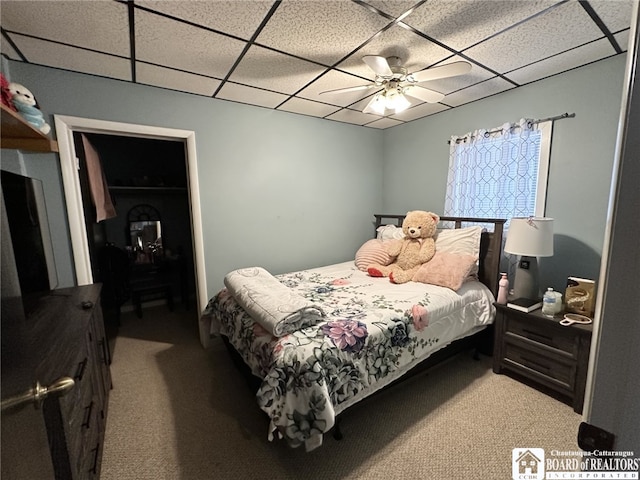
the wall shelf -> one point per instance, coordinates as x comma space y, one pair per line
20, 135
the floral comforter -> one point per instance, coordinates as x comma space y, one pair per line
374, 332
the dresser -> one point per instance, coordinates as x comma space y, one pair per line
72, 370
542, 353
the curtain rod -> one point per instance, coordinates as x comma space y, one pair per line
548, 119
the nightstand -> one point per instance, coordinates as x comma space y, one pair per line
542, 353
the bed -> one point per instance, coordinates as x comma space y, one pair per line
369, 332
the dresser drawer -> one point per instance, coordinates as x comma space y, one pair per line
546, 369
555, 338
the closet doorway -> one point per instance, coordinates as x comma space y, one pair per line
69, 130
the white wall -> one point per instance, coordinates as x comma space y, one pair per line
582, 153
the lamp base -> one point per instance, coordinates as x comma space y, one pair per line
525, 284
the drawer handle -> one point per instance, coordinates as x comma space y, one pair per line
87, 419
537, 364
82, 366
94, 468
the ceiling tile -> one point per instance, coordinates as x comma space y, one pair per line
307, 107
623, 40
233, 17
167, 42
7, 49
102, 26
274, 71
334, 80
571, 26
175, 79
616, 14
415, 52
322, 31
462, 23
478, 91
56, 55
253, 96
561, 63
394, 8
351, 116
419, 111
384, 123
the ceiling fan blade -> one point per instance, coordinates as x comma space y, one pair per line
443, 71
349, 89
424, 94
378, 64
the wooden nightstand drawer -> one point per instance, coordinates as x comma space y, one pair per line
542, 353
549, 370
563, 340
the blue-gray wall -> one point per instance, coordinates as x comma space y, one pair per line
582, 154
287, 191
280, 190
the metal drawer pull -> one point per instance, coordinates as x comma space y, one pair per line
38, 393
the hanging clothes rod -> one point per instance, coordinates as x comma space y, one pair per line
548, 119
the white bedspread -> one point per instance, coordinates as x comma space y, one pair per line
374, 332
274, 306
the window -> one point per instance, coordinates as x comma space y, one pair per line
499, 173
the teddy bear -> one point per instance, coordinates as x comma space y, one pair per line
25, 103
417, 247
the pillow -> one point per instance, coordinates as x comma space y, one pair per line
389, 232
370, 252
445, 269
460, 241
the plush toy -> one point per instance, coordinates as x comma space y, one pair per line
417, 247
25, 103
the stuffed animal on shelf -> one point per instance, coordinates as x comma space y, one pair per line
417, 247
25, 103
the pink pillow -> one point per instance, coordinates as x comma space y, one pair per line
446, 270
372, 251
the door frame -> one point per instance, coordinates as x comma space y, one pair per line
65, 128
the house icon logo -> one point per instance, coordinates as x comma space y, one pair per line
528, 463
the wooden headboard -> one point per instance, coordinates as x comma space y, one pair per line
490, 242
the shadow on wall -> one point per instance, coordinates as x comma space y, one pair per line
571, 257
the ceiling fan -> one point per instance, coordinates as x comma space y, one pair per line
395, 82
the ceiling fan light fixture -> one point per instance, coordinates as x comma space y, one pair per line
397, 102
379, 104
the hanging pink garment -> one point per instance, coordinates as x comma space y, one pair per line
97, 182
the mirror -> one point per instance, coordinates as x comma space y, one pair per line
146, 240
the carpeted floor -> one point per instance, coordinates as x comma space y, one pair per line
177, 411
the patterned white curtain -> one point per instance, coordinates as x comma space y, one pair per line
494, 173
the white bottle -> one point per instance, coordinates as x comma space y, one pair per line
551, 303
503, 290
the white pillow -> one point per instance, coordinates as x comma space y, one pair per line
389, 232
460, 241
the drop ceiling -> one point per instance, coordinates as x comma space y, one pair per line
282, 54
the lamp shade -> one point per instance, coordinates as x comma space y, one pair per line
530, 236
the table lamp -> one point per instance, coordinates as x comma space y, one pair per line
529, 237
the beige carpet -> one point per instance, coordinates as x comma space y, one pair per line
177, 411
